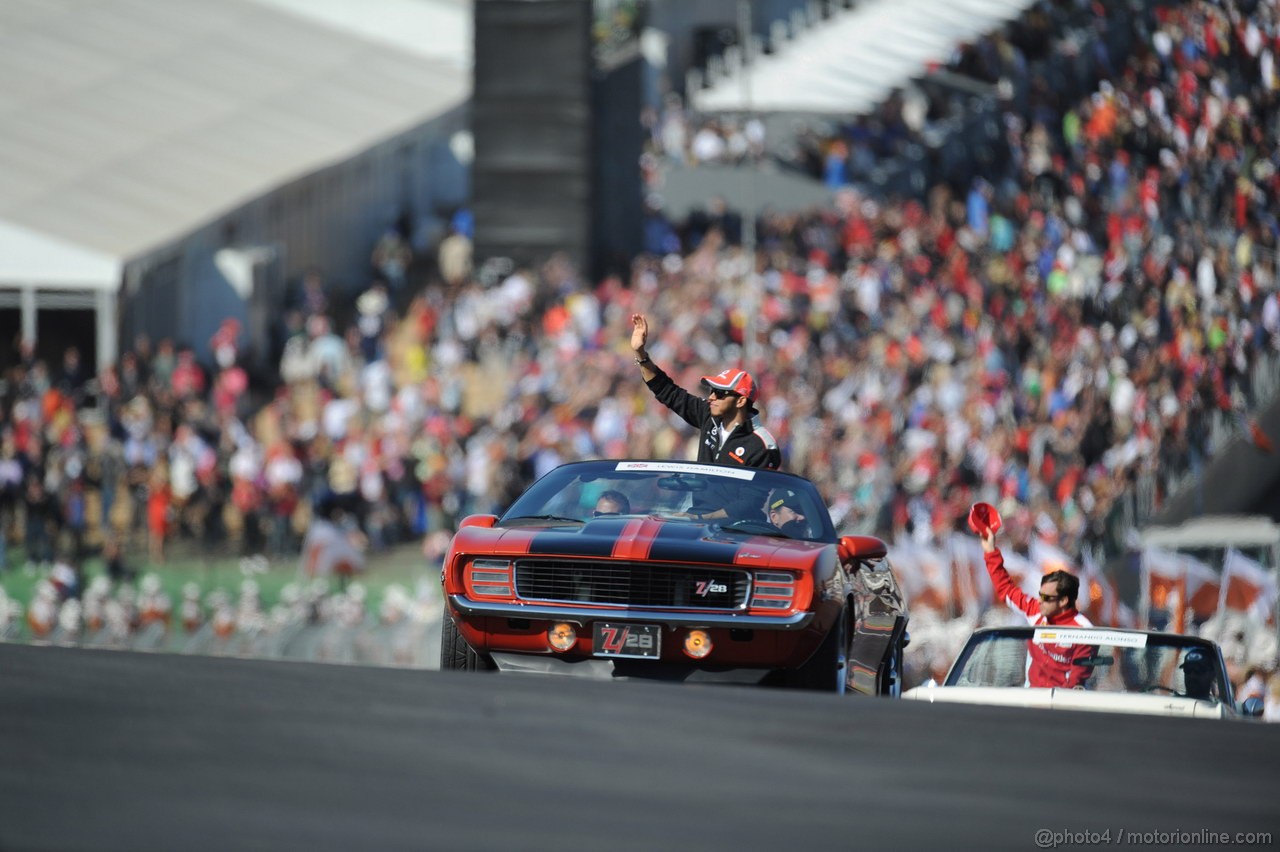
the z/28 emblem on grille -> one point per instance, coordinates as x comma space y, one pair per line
702, 588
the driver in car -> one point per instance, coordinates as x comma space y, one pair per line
1197, 675
786, 512
612, 502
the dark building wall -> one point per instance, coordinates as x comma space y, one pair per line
531, 116
618, 141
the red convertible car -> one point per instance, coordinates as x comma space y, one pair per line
675, 571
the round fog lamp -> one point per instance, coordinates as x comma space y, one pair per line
697, 644
562, 636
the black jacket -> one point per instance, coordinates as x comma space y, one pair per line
749, 445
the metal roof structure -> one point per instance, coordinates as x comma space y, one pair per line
853, 61
125, 124
1215, 531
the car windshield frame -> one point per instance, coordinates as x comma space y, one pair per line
670, 490
1127, 661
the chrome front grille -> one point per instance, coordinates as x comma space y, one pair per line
632, 584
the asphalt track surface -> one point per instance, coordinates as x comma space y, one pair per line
105, 750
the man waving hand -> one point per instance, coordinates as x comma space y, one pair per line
731, 433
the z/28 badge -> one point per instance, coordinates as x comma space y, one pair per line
625, 640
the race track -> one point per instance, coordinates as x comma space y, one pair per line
120, 750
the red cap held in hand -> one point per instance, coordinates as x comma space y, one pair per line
983, 517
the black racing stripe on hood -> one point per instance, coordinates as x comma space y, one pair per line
594, 538
690, 543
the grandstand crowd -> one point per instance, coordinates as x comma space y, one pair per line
1044, 338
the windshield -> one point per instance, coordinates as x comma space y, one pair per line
755, 501
1116, 661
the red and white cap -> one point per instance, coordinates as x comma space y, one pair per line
984, 518
732, 379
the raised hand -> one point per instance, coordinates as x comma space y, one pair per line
639, 332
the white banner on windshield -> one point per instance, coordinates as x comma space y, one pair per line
1089, 636
685, 467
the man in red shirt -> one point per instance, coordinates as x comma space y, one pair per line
1051, 665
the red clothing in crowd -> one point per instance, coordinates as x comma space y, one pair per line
1051, 665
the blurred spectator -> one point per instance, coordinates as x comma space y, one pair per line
41, 517
159, 513
12, 475
113, 558
391, 258
454, 257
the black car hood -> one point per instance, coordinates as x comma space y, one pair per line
648, 538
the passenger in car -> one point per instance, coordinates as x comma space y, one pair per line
1051, 665
731, 431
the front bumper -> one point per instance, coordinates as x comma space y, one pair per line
506, 631
597, 669
585, 615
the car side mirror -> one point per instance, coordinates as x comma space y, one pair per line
1252, 708
478, 521
854, 547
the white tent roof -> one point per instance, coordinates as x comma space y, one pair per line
28, 257
128, 123
851, 63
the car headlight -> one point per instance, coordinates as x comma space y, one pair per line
489, 578
773, 590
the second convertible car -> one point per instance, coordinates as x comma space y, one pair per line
1121, 671
675, 571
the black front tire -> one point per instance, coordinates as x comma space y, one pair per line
456, 654
827, 670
